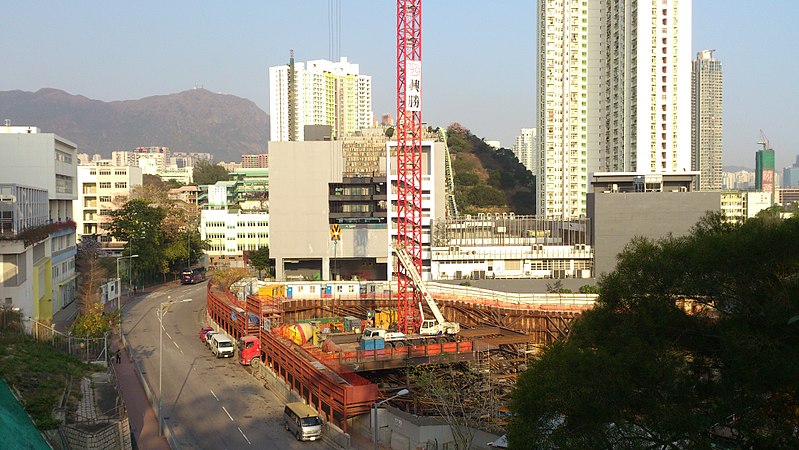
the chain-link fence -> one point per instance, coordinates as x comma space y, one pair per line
86, 349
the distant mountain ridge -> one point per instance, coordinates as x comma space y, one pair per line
736, 169
195, 120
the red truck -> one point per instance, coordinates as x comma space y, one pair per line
249, 350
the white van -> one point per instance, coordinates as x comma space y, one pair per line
221, 346
302, 421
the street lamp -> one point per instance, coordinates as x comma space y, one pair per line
160, 313
377, 427
119, 283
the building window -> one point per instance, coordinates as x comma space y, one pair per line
105, 185
121, 185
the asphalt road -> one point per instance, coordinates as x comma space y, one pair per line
209, 403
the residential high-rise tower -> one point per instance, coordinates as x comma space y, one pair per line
648, 94
562, 99
706, 120
524, 149
318, 93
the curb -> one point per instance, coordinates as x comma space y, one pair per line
170, 438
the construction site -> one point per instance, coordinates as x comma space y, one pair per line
337, 344
345, 347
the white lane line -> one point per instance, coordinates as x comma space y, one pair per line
176, 344
167, 335
245, 436
212, 393
228, 414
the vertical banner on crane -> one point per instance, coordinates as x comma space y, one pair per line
413, 85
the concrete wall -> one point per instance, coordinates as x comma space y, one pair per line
115, 435
298, 200
618, 217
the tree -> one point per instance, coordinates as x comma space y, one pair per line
93, 323
227, 276
691, 342
259, 259
459, 395
140, 225
206, 172
91, 272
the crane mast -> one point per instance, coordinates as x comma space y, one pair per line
409, 159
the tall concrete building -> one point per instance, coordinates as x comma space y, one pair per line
613, 94
562, 99
318, 93
648, 94
40, 163
524, 148
706, 120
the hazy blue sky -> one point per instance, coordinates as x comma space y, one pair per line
479, 58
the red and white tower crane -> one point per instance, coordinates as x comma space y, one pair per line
409, 159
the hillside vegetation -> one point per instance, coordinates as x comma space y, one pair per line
488, 180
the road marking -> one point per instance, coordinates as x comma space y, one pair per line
228, 414
212, 393
176, 344
167, 335
245, 436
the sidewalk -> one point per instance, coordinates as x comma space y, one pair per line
143, 422
142, 418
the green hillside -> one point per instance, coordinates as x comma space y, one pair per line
488, 180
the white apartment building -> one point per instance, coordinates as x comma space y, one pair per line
26, 266
325, 93
706, 120
524, 149
562, 96
230, 234
102, 189
648, 96
48, 162
155, 157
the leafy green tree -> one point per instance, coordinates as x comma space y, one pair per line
206, 172
184, 248
227, 276
259, 259
140, 225
466, 179
691, 340
152, 180
589, 289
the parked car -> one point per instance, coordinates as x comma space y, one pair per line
222, 346
208, 337
203, 333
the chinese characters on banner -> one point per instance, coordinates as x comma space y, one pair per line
413, 85
768, 181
